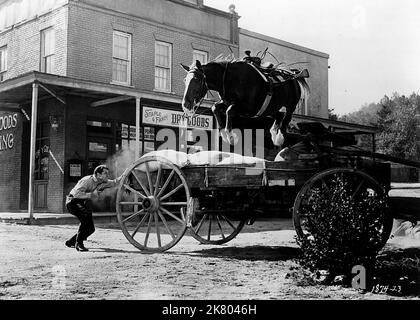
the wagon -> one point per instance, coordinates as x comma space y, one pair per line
158, 201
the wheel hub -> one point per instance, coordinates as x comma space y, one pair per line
150, 203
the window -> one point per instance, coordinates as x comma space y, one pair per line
149, 139
47, 50
201, 56
42, 154
126, 139
163, 62
121, 58
3, 62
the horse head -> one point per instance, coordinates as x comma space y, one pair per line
195, 87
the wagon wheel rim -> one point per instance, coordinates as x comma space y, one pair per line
215, 228
154, 218
362, 183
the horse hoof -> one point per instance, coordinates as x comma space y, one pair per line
233, 139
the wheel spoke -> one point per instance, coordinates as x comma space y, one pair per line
130, 202
157, 229
173, 203
158, 179
149, 178
133, 215
166, 225
141, 183
166, 183
220, 227
172, 192
148, 230
209, 231
200, 223
134, 191
171, 215
358, 188
139, 225
228, 221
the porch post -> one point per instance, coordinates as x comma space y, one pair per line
35, 86
138, 115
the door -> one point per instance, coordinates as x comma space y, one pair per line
99, 152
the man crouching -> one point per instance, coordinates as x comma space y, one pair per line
79, 203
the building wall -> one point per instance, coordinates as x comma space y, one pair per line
24, 43
317, 64
10, 159
90, 44
198, 19
13, 12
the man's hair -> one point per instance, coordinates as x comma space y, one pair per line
100, 169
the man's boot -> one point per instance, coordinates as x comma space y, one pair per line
71, 243
80, 246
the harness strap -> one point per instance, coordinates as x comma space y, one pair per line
269, 94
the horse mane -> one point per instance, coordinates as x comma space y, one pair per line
281, 66
221, 58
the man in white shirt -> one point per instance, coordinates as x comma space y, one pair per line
79, 200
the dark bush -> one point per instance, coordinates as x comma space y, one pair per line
342, 231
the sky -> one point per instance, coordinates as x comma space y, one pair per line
374, 45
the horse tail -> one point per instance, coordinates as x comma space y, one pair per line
304, 92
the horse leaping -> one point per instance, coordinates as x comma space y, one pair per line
244, 91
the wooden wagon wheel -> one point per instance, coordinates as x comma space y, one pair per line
360, 184
152, 202
223, 223
215, 228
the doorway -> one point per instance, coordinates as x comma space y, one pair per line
99, 151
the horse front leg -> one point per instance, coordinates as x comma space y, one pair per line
219, 111
232, 137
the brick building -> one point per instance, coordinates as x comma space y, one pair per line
81, 79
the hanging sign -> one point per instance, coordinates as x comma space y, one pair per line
170, 118
7, 122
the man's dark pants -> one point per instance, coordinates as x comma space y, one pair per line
81, 209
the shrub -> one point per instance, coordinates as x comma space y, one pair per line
342, 230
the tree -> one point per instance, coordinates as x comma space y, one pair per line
398, 125
396, 120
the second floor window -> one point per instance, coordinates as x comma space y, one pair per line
121, 58
201, 56
47, 50
163, 63
3, 62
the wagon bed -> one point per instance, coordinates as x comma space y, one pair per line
264, 174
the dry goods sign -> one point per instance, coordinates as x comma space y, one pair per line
170, 118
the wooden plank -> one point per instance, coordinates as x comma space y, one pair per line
110, 101
235, 176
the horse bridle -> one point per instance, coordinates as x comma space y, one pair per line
199, 74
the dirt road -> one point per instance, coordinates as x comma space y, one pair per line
255, 265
